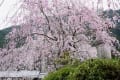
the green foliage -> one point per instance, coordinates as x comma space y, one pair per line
3, 33
64, 59
19, 41
116, 33
94, 69
98, 70
110, 14
61, 74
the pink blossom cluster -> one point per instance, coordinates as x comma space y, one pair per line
49, 28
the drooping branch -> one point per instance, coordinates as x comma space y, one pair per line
54, 39
46, 17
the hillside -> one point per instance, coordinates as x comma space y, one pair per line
3, 33
111, 14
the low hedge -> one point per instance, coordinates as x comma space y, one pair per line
94, 69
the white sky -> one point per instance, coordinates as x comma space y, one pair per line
9, 7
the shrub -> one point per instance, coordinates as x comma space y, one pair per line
61, 74
64, 59
97, 69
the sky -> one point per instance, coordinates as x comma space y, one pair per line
10, 6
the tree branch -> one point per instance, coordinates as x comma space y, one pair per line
54, 39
